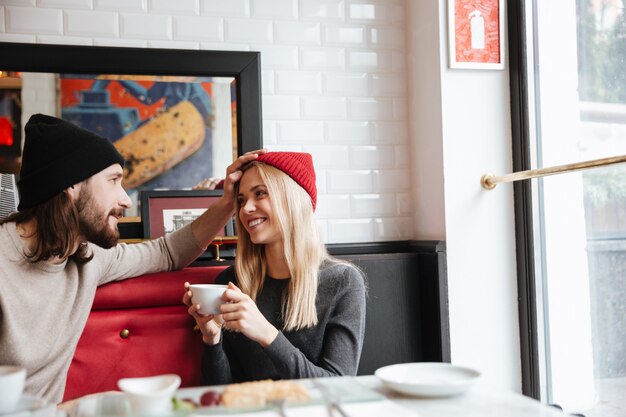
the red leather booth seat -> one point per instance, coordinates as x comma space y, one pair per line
139, 327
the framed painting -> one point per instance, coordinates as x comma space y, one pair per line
167, 128
476, 34
163, 212
177, 116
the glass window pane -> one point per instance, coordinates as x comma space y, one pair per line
577, 58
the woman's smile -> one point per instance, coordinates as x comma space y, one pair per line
255, 222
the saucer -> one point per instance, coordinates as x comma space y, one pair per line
28, 406
427, 379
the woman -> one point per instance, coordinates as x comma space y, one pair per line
291, 311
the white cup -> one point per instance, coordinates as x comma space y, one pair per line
209, 296
12, 379
150, 395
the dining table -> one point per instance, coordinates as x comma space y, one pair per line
374, 400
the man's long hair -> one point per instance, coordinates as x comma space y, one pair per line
304, 250
57, 230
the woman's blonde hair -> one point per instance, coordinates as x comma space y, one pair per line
304, 249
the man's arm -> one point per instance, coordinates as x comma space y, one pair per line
212, 221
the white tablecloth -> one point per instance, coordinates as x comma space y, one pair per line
476, 402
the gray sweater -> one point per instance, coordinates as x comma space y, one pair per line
331, 348
44, 306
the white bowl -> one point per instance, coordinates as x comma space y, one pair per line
209, 296
12, 379
427, 379
150, 395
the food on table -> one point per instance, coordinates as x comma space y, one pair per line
209, 398
184, 404
260, 393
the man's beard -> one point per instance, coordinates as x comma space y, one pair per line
92, 226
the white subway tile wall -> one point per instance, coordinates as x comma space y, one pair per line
402, 156
15, 37
389, 37
332, 206
389, 132
342, 35
267, 82
66, 40
121, 5
324, 107
350, 230
225, 46
248, 30
269, 133
122, 43
277, 57
300, 132
347, 132
193, 28
371, 109
349, 181
323, 59
375, 157
323, 10
365, 205
281, 107
299, 33
178, 7
145, 26
299, 82
91, 23
34, 20
405, 206
19, 2
393, 229
65, 4
230, 8
334, 84
174, 44
369, 60
346, 84
328, 156
274, 9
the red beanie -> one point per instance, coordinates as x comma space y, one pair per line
298, 165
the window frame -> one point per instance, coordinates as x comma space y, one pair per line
523, 201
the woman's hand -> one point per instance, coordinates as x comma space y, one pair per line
210, 325
241, 314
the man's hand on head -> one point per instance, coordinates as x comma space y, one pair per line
234, 172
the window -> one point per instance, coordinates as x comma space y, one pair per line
569, 105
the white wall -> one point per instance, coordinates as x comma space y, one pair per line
461, 131
335, 84
333, 76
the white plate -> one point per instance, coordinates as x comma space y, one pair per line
29, 406
427, 379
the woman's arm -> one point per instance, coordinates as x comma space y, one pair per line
215, 366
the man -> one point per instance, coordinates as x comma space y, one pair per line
62, 244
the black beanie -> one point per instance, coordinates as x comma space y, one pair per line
58, 154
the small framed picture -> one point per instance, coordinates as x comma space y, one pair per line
163, 212
476, 33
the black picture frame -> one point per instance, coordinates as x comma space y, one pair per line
244, 67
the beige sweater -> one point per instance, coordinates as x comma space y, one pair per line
44, 307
